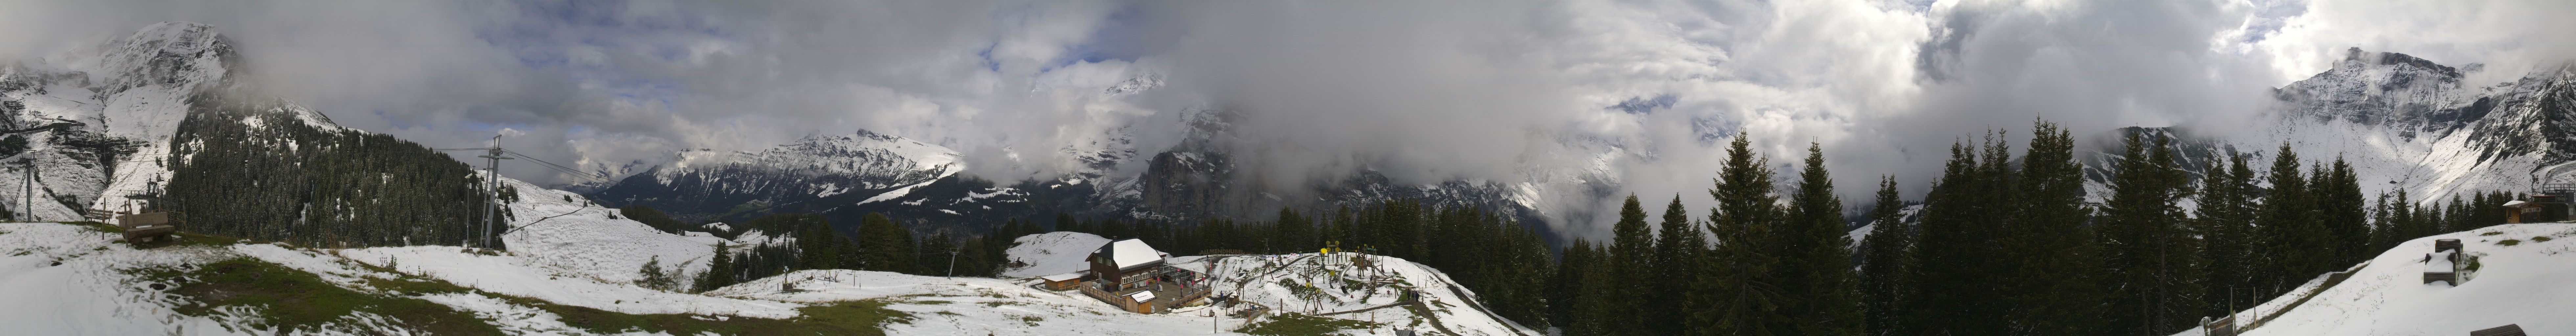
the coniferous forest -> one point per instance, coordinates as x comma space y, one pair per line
2004, 243
283, 180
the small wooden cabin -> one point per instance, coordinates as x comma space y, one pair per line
1064, 281
2515, 211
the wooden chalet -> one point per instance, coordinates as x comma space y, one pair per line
1133, 276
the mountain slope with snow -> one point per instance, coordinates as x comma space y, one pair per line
2521, 276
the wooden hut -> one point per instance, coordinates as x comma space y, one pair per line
1064, 281
2515, 210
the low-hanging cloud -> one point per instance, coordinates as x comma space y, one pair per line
1423, 91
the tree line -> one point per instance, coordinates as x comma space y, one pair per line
2007, 246
2003, 243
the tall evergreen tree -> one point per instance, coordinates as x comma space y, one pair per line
2339, 203
1677, 260
1887, 253
2145, 237
1570, 296
2053, 264
2226, 217
2288, 227
1739, 286
1818, 275
720, 271
1631, 243
1952, 290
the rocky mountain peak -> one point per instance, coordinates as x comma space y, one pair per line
167, 53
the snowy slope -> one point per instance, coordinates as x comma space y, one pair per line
1050, 253
2524, 284
66, 280
1292, 283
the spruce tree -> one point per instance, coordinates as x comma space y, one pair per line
2052, 264
1818, 277
2287, 226
1952, 290
1678, 249
720, 271
1740, 284
1887, 253
2340, 203
1565, 287
2155, 291
1631, 243
2226, 217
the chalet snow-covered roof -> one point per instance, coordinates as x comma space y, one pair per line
1142, 296
1127, 254
2517, 204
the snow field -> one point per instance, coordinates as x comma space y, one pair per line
2523, 284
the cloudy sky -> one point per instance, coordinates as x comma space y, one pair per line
1423, 90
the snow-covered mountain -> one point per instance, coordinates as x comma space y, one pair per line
99, 120
165, 113
713, 184
1104, 175
2404, 123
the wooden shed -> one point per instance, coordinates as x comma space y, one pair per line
2516, 210
1064, 281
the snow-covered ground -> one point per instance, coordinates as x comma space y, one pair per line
1050, 253
570, 253
2524, 284
1300, 283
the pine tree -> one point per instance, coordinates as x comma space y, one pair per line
1678, 249
1887, 253
1740, 285
2288, 226
2340, 203
1818, 278
2053, 276
654, 277
1952, 290
720, 272
1567, 295
1630, 243
2226, 216
2145, 238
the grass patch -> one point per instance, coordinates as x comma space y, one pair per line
2509, 242
2490, 233
840, 318
2540, 238
288, 300
1305, 325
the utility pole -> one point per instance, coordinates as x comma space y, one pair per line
492, 182
952, 262
28, 165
